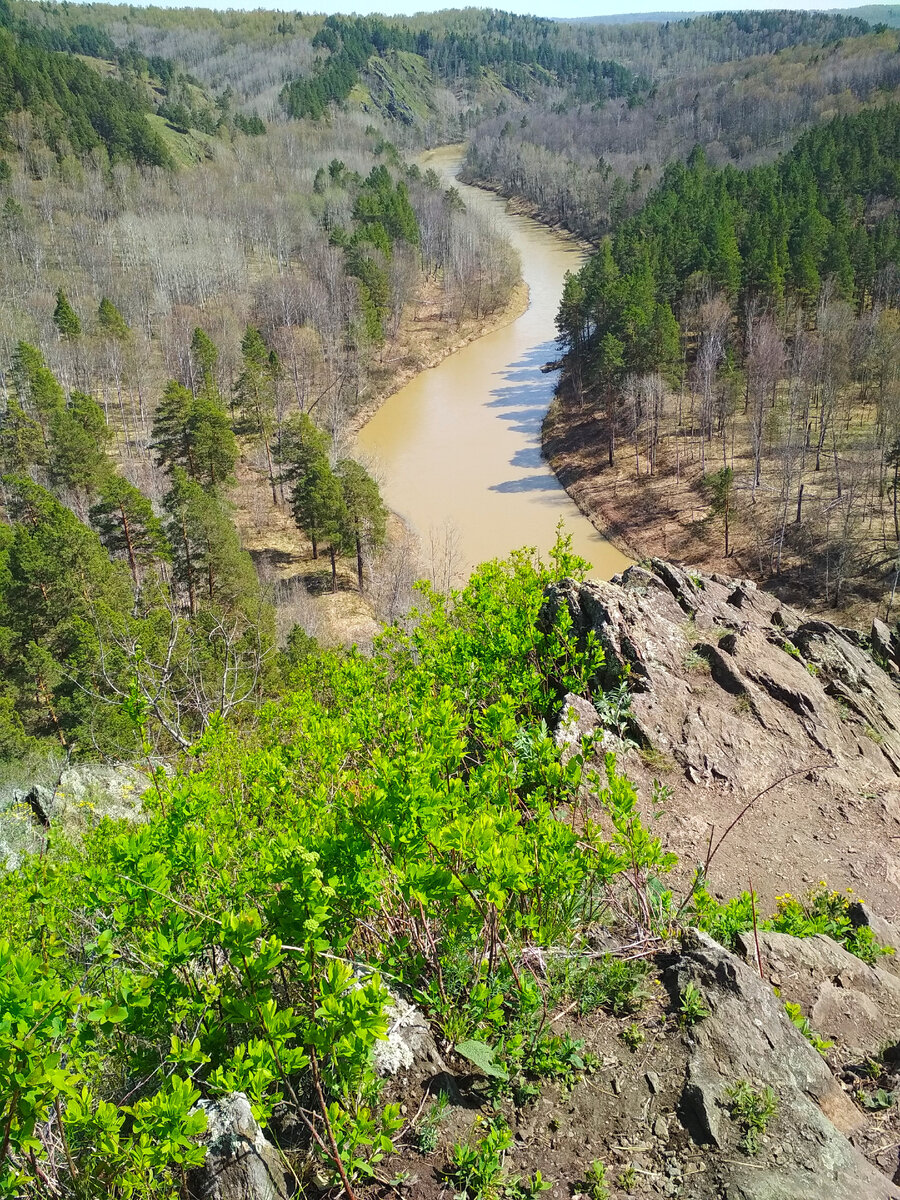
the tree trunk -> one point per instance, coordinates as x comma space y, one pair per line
333, 569
132, 561
359, 561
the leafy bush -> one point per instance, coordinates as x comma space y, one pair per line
384, 822
823, 911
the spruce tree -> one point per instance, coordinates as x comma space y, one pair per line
65, 318
111, 322
204, 356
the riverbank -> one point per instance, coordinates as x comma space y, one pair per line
299, 586
425, 339
667, 514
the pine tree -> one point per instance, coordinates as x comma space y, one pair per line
78, 439
65, 318
208, 561
60, 592
35, 383
365, 511
112, 323
169, 437
255, 393
204, 356
193, 432
124, 521
22, 444
214, 449
318, 505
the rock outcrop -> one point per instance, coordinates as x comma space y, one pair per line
736, 694
746, 1036
241, 1163
78, 797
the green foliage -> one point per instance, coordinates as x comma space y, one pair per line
693, 1006
79, 436
477, 1169
111, 321
223, 943
65, 318
76, 107
617, 985
752, 1109
595, 1181
192, 432
823, 911
482, 1056
427, 1130
795, 1012
518, 50
127, 526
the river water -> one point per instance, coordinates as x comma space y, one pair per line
459, 447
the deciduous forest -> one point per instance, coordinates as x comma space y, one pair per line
221, 249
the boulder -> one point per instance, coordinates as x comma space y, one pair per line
241, 1164
409, 1039
80, 796
577, 719
748, 1036
846, 1000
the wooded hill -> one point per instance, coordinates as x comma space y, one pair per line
784, 279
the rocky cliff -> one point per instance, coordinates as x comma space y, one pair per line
739, 700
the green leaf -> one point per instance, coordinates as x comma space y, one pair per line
482, 1056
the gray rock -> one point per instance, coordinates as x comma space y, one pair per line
882, 641
80, 796
780, 694
20, 834
845, 999
241, 1164
749, 1036
577, 719
409, 1039
887, 933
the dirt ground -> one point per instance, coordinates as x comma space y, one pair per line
666, 514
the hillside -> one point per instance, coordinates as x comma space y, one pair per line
404, 933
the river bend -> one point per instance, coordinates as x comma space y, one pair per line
459, 447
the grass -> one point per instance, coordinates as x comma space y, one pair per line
693, 660
612, 984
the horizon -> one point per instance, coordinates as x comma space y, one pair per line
576, 10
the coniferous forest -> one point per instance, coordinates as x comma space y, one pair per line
354, 801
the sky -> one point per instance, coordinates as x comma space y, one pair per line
541, 8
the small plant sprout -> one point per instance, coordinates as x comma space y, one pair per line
752, 1110
633, 1036
627, 1178
427, 1135
595, 1181
693, 1006
795, 1012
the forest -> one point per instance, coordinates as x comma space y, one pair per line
741, 328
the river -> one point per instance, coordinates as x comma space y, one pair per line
459, 447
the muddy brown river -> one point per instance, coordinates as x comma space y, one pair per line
459, 447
